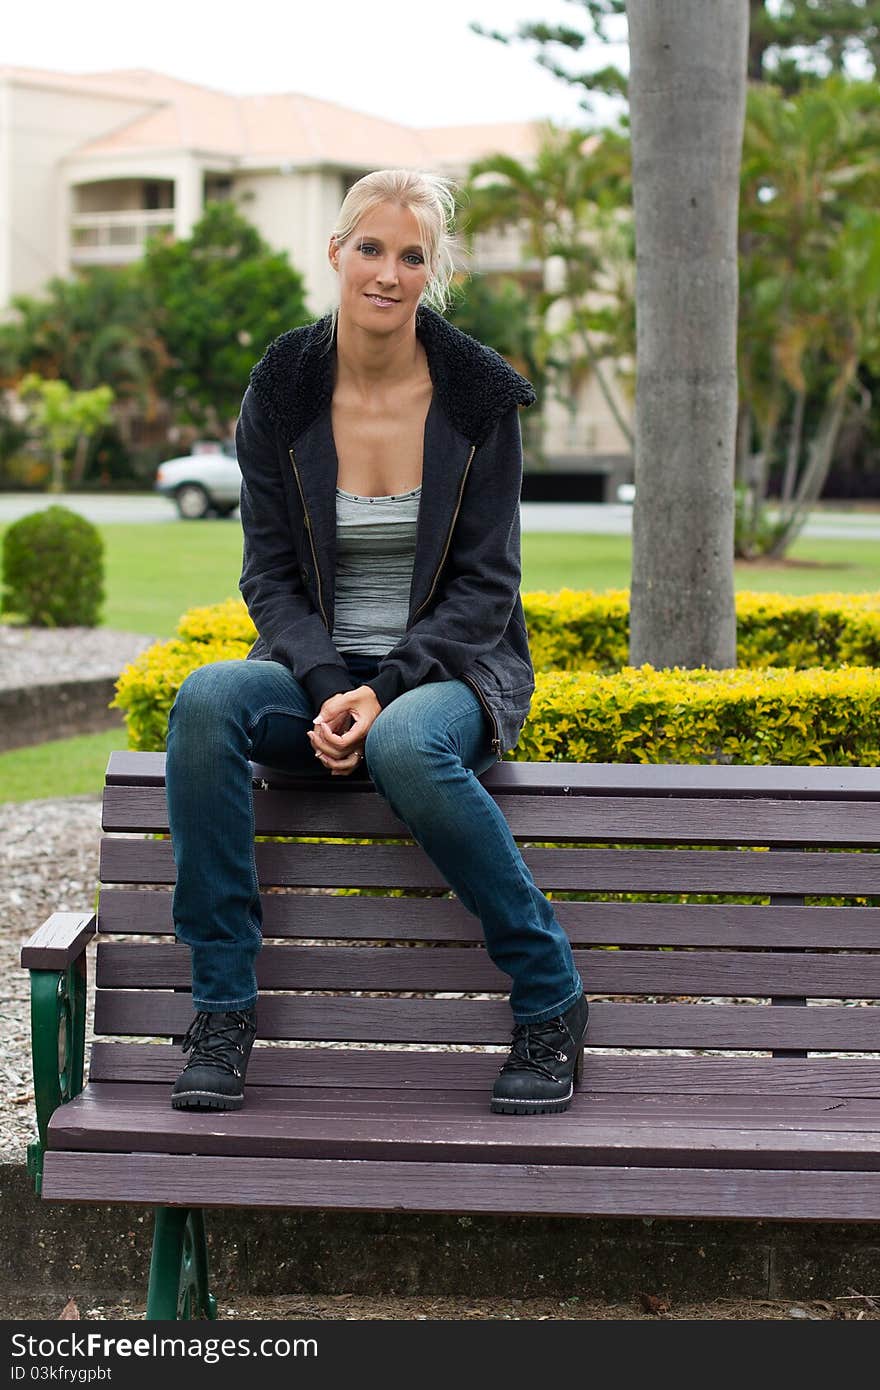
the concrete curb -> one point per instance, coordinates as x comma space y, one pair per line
32, 714
103, 1252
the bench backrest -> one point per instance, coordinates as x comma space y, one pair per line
690, 970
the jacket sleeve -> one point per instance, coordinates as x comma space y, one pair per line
271, 582
481, 578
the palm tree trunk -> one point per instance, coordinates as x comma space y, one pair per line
608, 395
819, 456
793, 452
687, 106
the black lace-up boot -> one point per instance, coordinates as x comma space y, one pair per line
220, 1046
545, 1064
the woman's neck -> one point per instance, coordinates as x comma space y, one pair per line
367, 361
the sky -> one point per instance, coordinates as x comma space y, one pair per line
413, 61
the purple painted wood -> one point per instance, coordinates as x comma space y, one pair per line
291, 914
564, 1189
59, 941
279, 1124
488, 1021
696, 820
585, 779
815, 1080
596, 870
461, 969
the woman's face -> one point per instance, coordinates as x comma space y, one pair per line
383, 259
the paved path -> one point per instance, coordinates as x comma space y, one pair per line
587, 518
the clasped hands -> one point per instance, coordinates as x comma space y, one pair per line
340, 729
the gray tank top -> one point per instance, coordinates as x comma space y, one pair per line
375, 549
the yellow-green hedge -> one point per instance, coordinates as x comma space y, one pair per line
764, 716
742, 716
579, 630
584, 631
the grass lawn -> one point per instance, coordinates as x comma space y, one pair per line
155, 572
61, 767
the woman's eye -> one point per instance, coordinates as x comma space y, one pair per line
411, 255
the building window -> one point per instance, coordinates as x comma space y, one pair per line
157, 194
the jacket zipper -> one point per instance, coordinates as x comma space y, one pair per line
311, 539
496, 741
426, 601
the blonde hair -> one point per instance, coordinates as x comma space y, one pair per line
431, 200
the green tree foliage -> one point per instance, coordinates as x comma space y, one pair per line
571, 207
217, 299
64, 419
599, 20
92, 330
789, 40
496, 309
809, 291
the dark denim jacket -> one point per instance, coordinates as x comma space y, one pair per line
465, 613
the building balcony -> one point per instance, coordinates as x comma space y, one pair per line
115, 238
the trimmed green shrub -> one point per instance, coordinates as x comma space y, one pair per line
743, 716
578, 630
53, 569
639, 715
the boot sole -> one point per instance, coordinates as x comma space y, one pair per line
531, 1107
206, 1100
501, 1106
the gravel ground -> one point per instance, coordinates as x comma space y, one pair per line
48, 849
39, 655
48, 863
346, 1307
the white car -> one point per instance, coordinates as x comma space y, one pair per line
205, 482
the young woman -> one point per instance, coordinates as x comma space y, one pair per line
381, 463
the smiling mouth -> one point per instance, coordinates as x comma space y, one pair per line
383, 299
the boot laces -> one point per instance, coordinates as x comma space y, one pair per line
210, 1043
535, 1045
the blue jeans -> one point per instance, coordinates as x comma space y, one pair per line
424, 753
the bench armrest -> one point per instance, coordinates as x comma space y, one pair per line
55, 956
57, 943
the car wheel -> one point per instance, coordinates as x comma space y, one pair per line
192, 501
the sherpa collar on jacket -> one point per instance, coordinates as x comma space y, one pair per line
473, 384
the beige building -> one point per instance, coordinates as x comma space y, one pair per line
91, 165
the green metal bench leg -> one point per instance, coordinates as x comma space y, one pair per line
58, 1033
178, 1287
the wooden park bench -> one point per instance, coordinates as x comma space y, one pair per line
732, 1065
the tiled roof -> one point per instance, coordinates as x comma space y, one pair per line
288, 127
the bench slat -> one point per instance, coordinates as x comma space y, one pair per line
329, 1068
586, 870
458, 969
125, 911
58, 942
330, 1018
700, 820
196, 1180
584, 779
280, 1124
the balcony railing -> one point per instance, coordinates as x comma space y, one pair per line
112, 238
